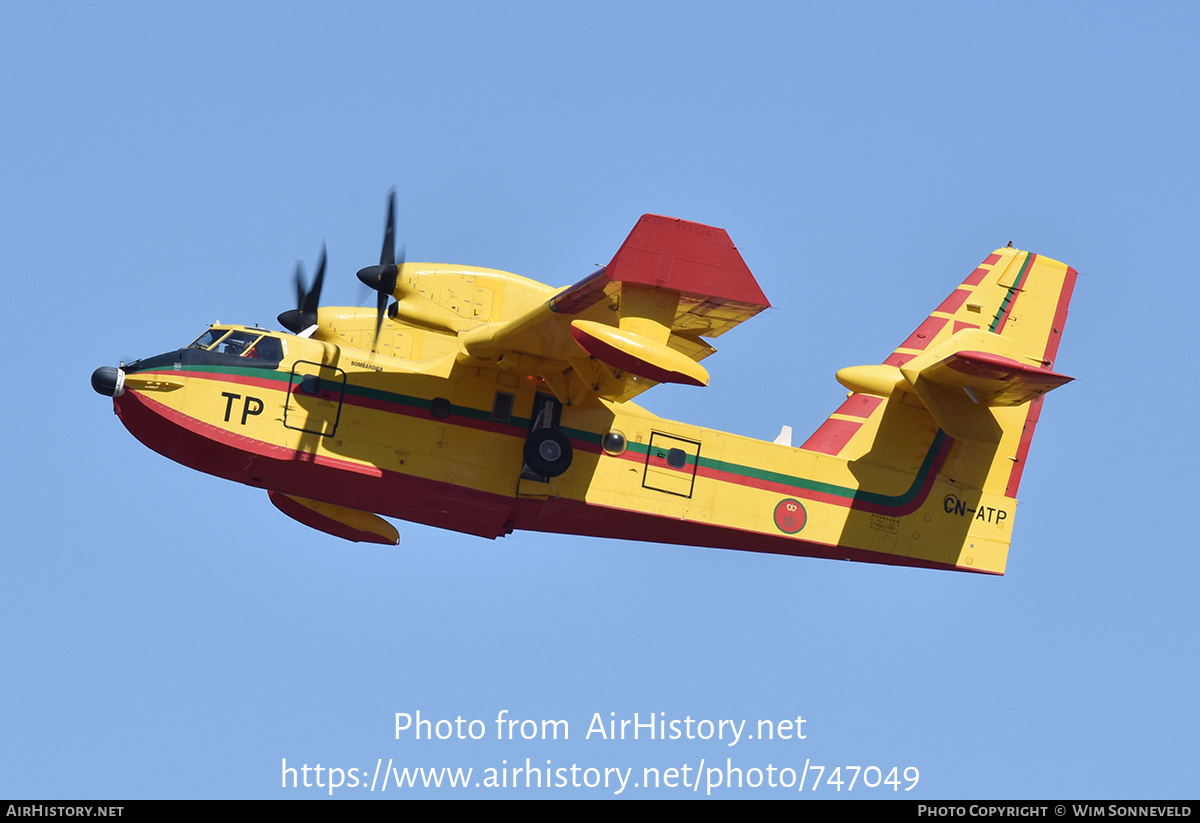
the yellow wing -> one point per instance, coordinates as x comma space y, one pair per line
634, 323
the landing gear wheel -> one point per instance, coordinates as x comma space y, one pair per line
548, 452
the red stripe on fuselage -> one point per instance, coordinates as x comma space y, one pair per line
851, 502
359, 401
270, 384
848, 499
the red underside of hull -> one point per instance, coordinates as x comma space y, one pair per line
218, 452
573, 517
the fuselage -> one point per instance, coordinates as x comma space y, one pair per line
434, 441
485, 402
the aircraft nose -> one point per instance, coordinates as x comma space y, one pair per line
109, 381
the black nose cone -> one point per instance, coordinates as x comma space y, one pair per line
108, 381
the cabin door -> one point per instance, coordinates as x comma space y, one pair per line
314, 402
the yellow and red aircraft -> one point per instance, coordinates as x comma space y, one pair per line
484, 402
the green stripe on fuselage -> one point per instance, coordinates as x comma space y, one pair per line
522, 424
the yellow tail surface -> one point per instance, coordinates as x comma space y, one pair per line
966, 384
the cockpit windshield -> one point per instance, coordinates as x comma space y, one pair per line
238, 343
206, 340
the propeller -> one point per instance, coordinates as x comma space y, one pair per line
382, 278
305, 314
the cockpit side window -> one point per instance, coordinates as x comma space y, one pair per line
267, 348
252, 345
237, 343
249, 344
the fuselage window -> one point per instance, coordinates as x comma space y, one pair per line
502, 407
439, 407
613, 442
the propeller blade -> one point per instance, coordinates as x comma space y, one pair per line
298, 276
308, 301
388, 256
388, 278
380, 307
382, 278
313, 299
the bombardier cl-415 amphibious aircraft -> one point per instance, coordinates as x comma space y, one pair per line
480, 401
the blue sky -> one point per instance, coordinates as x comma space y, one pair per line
167, 634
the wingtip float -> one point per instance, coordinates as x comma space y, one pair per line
484, 402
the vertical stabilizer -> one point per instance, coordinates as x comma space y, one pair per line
967, 384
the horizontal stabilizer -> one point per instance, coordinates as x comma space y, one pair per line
959, 379
994, 380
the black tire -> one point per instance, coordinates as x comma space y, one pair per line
548, 452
